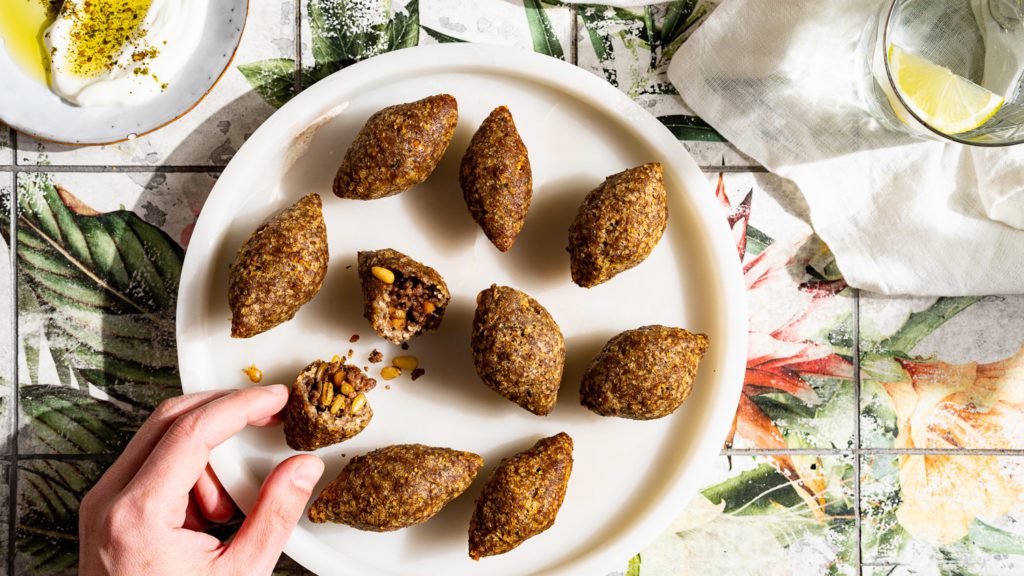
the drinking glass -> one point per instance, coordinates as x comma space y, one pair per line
978, 41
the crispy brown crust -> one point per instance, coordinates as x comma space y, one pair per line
618, 225
518, 348
378, 296
395, 487
496, 179
643, 374
521, 498
306, 427
278, 269
397, 148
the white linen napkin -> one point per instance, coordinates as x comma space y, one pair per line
902, 216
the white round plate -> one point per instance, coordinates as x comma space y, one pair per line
630, 478
28, 106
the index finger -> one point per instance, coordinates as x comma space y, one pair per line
178, 459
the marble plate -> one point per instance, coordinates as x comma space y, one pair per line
630, 478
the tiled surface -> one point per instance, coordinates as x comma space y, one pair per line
799, 388
751, 519
940, 514
936, 378
76, 332
5, 508
49, 491
932, 382
6, 321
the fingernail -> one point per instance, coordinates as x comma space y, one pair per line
276, 389
306, 474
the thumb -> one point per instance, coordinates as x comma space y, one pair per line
280, 505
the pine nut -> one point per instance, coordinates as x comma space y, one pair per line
339, 401
428, 307
357, 404
327, 395
390, 373
406, 362
383, 274
254, 373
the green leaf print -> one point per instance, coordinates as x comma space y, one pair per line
994, 540
754, 492
343, 32
347, 31
273, 80
103, 288
680, 20
692, 128
634, 46
757, 241
923, 323
47, 522
70, 421
441, 37
545, 41
404, 30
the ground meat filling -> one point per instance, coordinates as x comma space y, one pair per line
413, 304
339, 390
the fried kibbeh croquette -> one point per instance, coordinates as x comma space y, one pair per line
401, 297
521, 497
643, 374
397, 148
518, 348
496, 180
395, 487
327, 405
279, 268
618, 225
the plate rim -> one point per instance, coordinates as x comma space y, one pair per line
324, 96
21, 129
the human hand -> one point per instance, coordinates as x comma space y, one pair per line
146, 514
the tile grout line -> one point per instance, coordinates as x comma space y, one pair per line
857, 520
297, 73
574, 28
116, 169
12, 438
1009, 452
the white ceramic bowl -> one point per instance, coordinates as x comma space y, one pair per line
30, 107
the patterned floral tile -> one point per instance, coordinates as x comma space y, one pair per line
46, 528
213, 132
532, 24
942, 373
958, 514
6, 153
799, 382
99, 257
753, 518
337, 33
632, 47
5, 506
6, 317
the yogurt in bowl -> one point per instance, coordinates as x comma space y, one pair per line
121, 52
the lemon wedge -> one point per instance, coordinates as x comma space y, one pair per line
949, 103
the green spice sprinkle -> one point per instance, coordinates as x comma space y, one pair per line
100, 30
